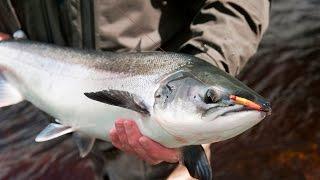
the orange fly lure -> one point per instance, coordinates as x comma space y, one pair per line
246, 102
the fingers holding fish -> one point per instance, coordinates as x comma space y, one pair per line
139, 151
115, 139
157, 151
127, 137
146, 148
121, 132
133, 134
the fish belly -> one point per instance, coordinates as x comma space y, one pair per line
64, 99
58, 89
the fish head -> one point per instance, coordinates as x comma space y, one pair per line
201, 104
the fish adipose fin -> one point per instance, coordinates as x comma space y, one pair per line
195, 159
84, 143
52, 131
8, 94
119, 98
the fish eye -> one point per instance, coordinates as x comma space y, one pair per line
211, 97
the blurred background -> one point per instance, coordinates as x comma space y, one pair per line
285, 70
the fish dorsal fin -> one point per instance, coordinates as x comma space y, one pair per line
52, 131
195, 159
84, 143
8, 94
119, 98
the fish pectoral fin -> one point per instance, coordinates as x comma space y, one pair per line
195, 159
119, 98
52, 131
9, 95
83, 142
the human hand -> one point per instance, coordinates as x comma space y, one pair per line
127, 137
4, 36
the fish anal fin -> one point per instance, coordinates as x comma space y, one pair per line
119, 98
195, 159
9, 95
84, 143
138, 47
52, 131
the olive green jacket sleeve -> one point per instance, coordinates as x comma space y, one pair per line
227, 32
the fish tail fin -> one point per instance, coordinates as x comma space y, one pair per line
9, 95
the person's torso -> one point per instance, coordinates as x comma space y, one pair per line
107, 25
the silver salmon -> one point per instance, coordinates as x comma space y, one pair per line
177, 100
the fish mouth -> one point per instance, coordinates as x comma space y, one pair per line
236, 110
216, 112
266, 108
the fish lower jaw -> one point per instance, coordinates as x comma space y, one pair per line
198, 131
236, 123
222, 128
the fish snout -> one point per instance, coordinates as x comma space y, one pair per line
266, 107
